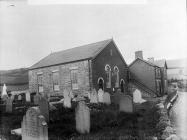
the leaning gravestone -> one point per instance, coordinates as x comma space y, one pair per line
82, 118
94, 97
137, 97
106, 98
34, 126
100, 95
67, 99
9, 105
126, 104
44, 108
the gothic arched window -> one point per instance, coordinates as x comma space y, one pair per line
116, 74
108, 76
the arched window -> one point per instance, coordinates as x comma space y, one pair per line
116, 74
108, 76
122, 83
100, 83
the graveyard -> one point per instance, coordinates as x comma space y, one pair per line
98, 116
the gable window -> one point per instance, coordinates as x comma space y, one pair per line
40, 83
108, 76
55, 76
116, 74
74, 78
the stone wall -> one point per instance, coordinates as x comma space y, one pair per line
64, 78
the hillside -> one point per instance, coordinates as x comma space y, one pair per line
14, 77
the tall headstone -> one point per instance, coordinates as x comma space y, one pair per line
82, 118
67, 99
9, 105
100, 95
19, 97
93, 96
28, 97
34, 126
44, 108
4, 94
106, 98
126, 104
137, 97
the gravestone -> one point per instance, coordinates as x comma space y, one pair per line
9, 105
137, 97
100, 95
44, 108
126, 104
67, 99
34, 126
106, 98
19, 97
82, 118
93, 96
36, 99
28, 98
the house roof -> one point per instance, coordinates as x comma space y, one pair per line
147, 62
74, 54
160, 63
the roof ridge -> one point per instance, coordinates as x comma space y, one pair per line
85, 45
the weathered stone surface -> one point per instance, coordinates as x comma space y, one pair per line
100, 95
173, 137
93, 96
64, 76
34, 126
9, 105
106, 98
82, 118
44, 108
126, 104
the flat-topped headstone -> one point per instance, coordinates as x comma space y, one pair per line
67, 98
28, 98
34, 126
44, 107
82, 118
126, 104
93, 96
9, 105
137, 97
100, 95
106, 98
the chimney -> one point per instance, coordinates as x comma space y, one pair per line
139, 54
151, 59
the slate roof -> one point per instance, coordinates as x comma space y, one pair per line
145, 61
160, 63
74, 54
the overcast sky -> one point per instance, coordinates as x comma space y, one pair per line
30, 32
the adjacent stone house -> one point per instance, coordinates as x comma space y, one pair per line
96, 65
146, 76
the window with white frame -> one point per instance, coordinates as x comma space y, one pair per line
108, 76
55, 76
116, 74
74, 78
40, 83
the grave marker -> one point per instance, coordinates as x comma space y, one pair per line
100, 95
44, 108
34, 126
126, 104
67, 99
106, 98
137, 97
82, 118
9, 105
93, 96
